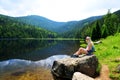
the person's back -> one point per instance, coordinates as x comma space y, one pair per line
90, 48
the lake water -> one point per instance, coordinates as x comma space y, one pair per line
22, 54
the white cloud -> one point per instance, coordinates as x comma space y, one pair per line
3, 11
59, 10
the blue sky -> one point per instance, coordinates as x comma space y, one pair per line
58, 10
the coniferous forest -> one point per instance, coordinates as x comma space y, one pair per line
108, 25
38, 27
10, 27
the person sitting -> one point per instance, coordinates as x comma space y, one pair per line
88, 50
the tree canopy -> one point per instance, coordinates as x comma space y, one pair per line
108, 25
11, 28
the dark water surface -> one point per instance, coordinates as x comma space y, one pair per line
35, 50
23, 54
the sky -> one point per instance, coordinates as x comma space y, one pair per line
58, 10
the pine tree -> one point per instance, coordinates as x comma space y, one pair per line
104, 31
96, 32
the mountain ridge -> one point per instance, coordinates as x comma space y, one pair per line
10, 27
59, 27
40, 21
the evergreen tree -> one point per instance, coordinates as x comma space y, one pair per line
96, 32
104, 31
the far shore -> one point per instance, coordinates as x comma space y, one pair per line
41, 39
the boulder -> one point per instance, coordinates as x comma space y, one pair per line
80, 76
64, 69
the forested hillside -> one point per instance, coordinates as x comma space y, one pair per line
64, 29
108, 25
41, 22
35, 27
11, 28
73, 33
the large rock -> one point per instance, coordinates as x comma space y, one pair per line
80, 76
63, 69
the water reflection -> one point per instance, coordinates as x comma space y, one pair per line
35, 50
20, 49
13, 65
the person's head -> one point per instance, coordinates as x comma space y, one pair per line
88, 39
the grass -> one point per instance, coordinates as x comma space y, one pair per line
108, 52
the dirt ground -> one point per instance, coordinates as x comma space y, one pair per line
104, 74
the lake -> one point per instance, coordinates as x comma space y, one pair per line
23, 54
35, 50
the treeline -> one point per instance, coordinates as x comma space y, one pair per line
108, 25
11, 28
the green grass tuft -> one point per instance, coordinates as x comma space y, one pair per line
107, 52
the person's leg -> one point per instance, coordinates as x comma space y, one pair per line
81, 51
76, 53
84, 51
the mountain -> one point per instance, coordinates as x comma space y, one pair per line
117, 13
41, 22
75, 28
40, 25
59, 27
11, 28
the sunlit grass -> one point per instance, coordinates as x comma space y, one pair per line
107, 52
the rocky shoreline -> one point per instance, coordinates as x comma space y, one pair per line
65, 69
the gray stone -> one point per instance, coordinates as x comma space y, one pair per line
118, 68
64, 69
80, 76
